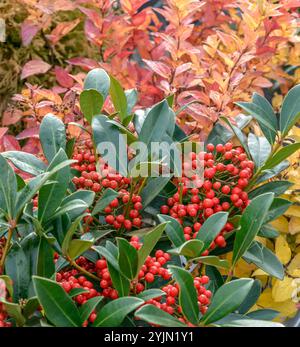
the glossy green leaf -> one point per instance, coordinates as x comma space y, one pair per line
52, 136
253, 323
268, 113
8, 187
227, 299
268, 232
26, 162
259, 148
91, 103
263, 314
45, 263
211, 228
152, 189
151, 294
17, 267
109, 139
73, 207
57, 304
190, 249
14, 311
106, 198
276, 187
131, 97
149, 242
87, 308
173, 229
290, 110
99, 80
187, 293
213, 261
267, 174
250, 223
278, 207
130, 136
281, 155
154, 315
265, 259
77, 291
251, 298
118, 98
51, 195
128, 258
78, 247
113, 313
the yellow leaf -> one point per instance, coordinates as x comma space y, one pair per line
282, 249
281, 224
294, 225
259, 272
282, 290
294, 266
293, 211
297, 241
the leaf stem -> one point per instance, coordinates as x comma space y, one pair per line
82, 270
6, 248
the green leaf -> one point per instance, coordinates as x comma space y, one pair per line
51, 195
251, 298
18, 269
154, 315
118, 98
259, 148
45, 263
131, 97
57, 304
130, 136
259, 114
190, 249
281, 155
187, 294
251, 222
278, 207
253, 323
227, 299
52, 136
153, 187
26, 162
86, 309
155, 126
265, 259
8, 284
106, 133
91, 102
219, 134
77, 291
128, 258
69, 234
99, 80
78, 247
263, 314
96, 235
268, 113
151, 294
267, 174
149, 242
238, 133
173, 229
107, 197
31, 306
213, 261
211, 228
276, 187
74, 207
85, 195
113, 313
8, 187
290, 110
268, 232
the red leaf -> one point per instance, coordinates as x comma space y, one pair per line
2, 289
161, 69
34, 67
61, 30
63, 77
29, 132
3, 132
28, 31
9, 143
11, 116
85, 63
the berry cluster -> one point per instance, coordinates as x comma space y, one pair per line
171, 305
123, 211
153, 267
226, 175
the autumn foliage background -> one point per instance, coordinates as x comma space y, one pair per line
208, 54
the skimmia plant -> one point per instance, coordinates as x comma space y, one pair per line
90, 241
